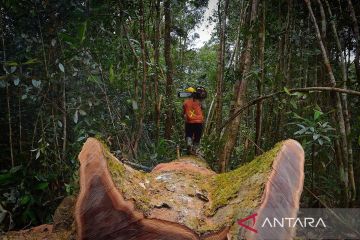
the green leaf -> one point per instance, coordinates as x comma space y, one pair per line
31, 61
42, 186
316, 136
11, 63
5, 177
3, 84
13, 69
61, 67
16, 81
82, 32
326, 138
287, 91
317, 114
37, 154
76, 117
25, 199
36, 83
300, 132
94, 79
111, 74
81, 138
293, 103
67, 38
82, 112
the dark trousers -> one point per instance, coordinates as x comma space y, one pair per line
193, 131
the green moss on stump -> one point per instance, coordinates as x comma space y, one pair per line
127, 181
224, 187
242, 187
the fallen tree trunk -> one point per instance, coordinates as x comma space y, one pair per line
185, 199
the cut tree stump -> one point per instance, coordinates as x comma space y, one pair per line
183, 199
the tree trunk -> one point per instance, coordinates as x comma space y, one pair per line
260, 81
231, 132
119, 202
169, 71
123, 195
323, 20
157, 66
337, 100
220, 64
144, 76
64, 120
357, 38
8, 105
345, 104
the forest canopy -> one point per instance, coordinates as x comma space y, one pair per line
272, 70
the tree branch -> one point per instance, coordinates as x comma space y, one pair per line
308, 89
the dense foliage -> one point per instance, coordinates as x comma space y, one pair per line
74, 69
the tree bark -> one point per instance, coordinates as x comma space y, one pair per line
8, 105
144, 76
220, 64
113, 197
157, 66
260, 85
231, 132
64, 118
345, 104
357, 38
169, 70
323, 19
337, 100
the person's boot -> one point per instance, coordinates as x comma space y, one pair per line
189, 145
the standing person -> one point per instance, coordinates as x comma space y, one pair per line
194, 118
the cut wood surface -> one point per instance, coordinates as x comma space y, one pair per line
183, 199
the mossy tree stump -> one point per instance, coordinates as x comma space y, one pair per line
184, 199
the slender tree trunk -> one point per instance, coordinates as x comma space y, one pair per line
260, 85
357, 38
169, 70
339, 158
338, 105
157, 66
137, 61
144, 76
287, 43
64, 120
323, 20
8, 105
220, 64
55, 134
20, 115
345, 105
231, 132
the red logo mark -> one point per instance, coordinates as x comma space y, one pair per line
241, 222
